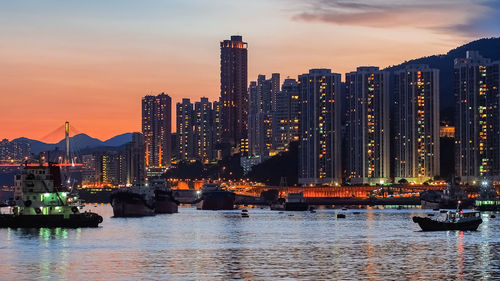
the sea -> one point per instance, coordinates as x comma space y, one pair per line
368, 244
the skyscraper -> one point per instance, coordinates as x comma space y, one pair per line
367, 125
493, 82
472, 120
185, 127
285, 125
262, 104
156, 128
319, 152
233, 90
204, 127
416, 123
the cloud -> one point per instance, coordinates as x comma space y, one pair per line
461, 17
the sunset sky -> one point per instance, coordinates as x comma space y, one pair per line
90, 62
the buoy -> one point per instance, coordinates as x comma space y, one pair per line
340, 216
492, 216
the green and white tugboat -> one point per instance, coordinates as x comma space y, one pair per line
41, 201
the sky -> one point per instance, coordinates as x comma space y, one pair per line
90, 62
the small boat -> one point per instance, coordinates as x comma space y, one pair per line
41, 201
340, 216
454, 220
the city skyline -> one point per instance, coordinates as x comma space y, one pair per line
94, 65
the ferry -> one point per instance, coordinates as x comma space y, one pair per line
41, 201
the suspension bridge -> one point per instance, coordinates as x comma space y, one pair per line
68, 159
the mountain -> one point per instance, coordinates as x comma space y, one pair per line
119, 140
77, 143
487, 47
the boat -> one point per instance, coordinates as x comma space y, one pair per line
41, 201
135, 201
445, 199
454, 220
165, 202
296, 202
214, 197
488, 199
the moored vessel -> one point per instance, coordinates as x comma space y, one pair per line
296, 202
41, 201
214, 197
136, 201
165, 202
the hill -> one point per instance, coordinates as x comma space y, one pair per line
77, 143
487, 47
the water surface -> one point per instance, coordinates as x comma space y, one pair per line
221, 245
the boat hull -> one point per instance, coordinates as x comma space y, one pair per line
39, 221
166, 206
217, 200
296, 206
130, 205
427, 224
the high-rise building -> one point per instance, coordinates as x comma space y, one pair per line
233, 90
204, 127
285, 125
262, 104
367, 126
156, 128
319, 150
472, 120
416, 143
185, 130
135, 160
493, 82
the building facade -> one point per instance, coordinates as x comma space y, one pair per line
204, 131
286, 116
157, 129
416, 123
233, 95
319, 149
367, 126
185, 130
135, 157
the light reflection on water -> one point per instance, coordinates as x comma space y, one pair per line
206, 245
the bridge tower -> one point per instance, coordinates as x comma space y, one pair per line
66, 135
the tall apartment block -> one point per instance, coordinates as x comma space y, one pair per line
285, 125
185, 133
233, 91
493, 82
319, 150
135, 160
471, 120
367, 126
204, 130
262, 103
416, 121
156, 128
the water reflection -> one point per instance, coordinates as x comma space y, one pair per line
206, 245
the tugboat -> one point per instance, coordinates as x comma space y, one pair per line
41, 201
454, 220
214, 197
136, 201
